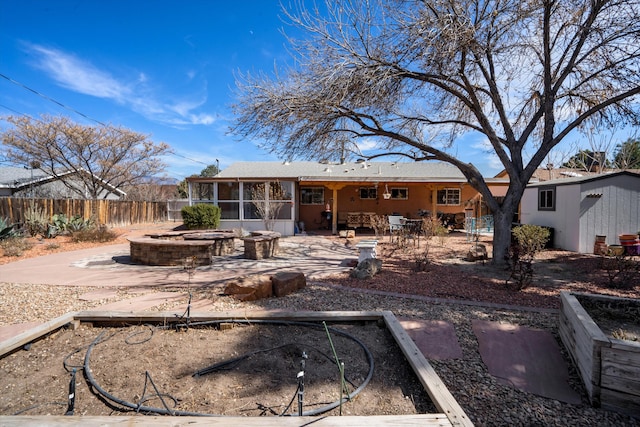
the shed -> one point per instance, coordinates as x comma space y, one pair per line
581, 208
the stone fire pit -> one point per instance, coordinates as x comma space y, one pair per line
173, 247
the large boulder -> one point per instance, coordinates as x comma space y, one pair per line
250, 288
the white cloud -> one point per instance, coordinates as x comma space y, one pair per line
83, 77
79, 76
366, 144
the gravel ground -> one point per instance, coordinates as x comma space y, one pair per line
487, 402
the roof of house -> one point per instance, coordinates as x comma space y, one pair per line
17, 178
357, 172
13, 177
582, 179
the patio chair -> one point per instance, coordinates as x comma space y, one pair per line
413, 229
395, 225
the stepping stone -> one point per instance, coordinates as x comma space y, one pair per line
525, 358
436, 339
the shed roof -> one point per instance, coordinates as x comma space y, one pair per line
582, 179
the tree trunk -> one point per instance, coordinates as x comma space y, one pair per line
501, 236
503, 218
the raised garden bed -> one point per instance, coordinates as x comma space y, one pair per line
178, 351
609, 366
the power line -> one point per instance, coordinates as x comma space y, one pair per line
48, 98
185, 157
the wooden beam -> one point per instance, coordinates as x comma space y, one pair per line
421, 420
39, 331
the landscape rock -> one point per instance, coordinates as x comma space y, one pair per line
477, 252
285, 283
250, 288
367, 268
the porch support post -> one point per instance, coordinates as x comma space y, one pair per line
334, 206
434, 201
334, 209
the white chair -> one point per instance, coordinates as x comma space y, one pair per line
395, 224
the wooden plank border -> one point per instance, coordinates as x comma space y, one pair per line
38, 332
452, 412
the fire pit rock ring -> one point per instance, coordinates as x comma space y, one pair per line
174, 247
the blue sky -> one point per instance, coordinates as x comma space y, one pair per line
163, 68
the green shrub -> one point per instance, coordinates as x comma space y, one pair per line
527, 241
201, 216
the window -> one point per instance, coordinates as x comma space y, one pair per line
312, 196
229, 210
276, 204
547, 199
228, 191
449, 197
203, 191
249, 200
400, 193
368, 193
229, 200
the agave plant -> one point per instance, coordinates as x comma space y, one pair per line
8, 230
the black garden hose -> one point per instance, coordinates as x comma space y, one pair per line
163, 411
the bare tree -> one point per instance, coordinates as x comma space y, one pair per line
268, 206
151, 191
103, 157
416, 75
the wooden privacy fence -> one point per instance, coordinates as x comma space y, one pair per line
109, 212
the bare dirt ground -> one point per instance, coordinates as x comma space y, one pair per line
256, 373
36, 381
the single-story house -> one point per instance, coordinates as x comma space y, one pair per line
352, 192
581, 208
22, 182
